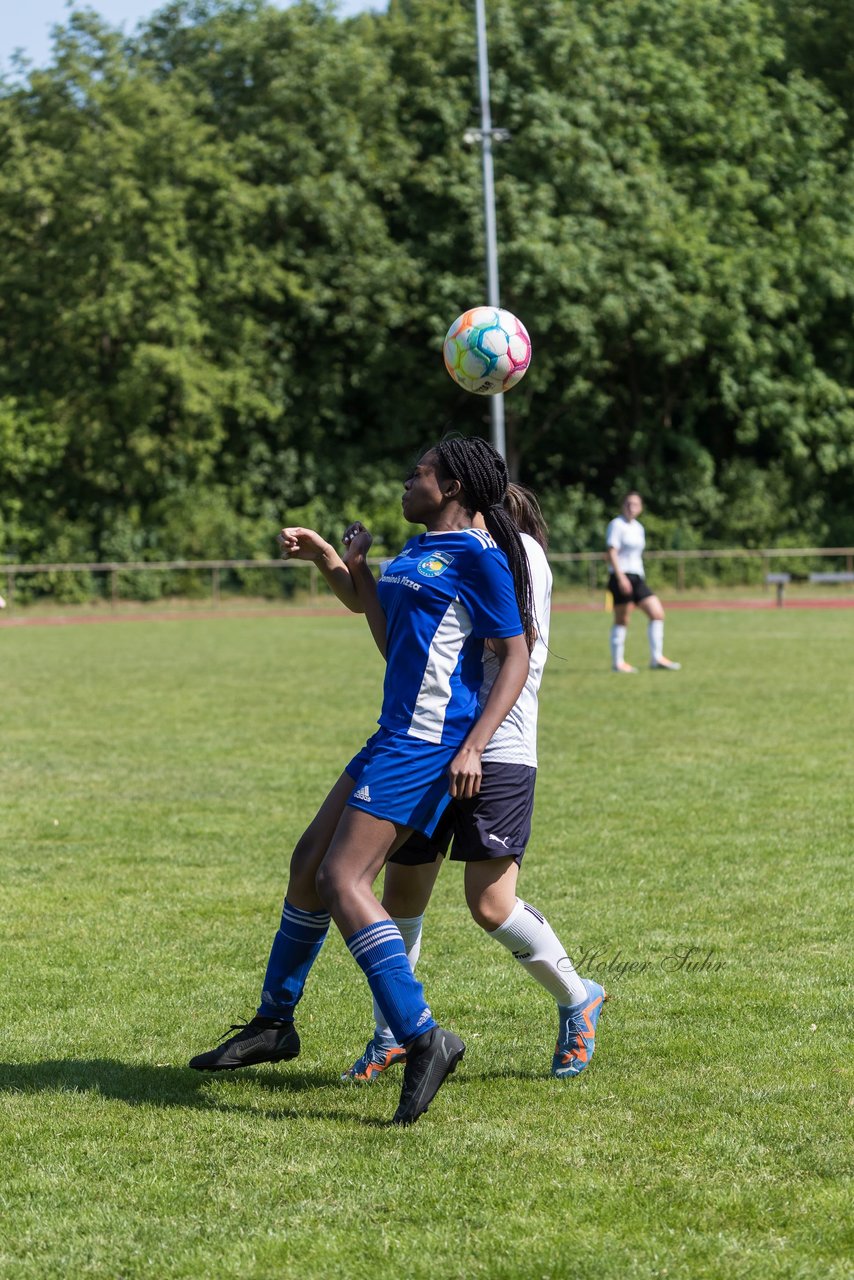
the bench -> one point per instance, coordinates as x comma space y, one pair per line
780, 581
832, 577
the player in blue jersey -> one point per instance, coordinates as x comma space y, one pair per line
490, 833
450, 590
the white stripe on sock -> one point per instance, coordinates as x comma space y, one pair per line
411, 929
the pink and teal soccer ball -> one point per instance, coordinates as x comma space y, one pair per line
487, 350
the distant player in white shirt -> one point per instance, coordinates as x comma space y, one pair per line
490, 834
625, 541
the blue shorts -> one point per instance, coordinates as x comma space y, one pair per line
402, 779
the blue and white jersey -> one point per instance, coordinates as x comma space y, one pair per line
442, 596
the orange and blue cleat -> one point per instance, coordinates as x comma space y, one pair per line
577, 1037
381, 1052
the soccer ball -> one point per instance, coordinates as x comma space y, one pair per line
487, 350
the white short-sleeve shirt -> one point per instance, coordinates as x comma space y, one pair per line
515, 739
629, 539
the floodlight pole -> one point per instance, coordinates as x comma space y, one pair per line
496, 403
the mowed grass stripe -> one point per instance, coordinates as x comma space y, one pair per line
692, 839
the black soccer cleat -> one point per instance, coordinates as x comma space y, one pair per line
429, 1061
260, 1040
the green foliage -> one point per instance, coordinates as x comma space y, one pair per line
231, 246
820, 40
576, 519
61, 545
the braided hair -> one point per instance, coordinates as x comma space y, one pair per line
482, 475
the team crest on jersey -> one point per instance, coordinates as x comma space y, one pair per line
434, 564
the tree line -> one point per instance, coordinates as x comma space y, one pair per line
231, 244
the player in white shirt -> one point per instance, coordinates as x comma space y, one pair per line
490, 833
625, 541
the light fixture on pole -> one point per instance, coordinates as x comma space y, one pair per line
486, 135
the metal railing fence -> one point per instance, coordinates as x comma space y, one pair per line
585, 569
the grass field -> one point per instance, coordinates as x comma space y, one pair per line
693, 840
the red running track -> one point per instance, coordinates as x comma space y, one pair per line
86, 619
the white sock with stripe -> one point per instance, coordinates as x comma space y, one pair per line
618, 645
531, 939
655, 631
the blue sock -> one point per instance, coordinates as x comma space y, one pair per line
381, 953
295, 948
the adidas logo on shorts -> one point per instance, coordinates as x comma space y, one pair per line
363, 793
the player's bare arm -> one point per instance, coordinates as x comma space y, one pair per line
613, 560
358, 541
298, 543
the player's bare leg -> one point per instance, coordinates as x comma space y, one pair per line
345, 882
406, 893
270, 1036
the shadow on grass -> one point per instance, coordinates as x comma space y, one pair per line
508, 1074
146, 1085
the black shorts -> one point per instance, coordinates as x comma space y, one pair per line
640, 591
494, 824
